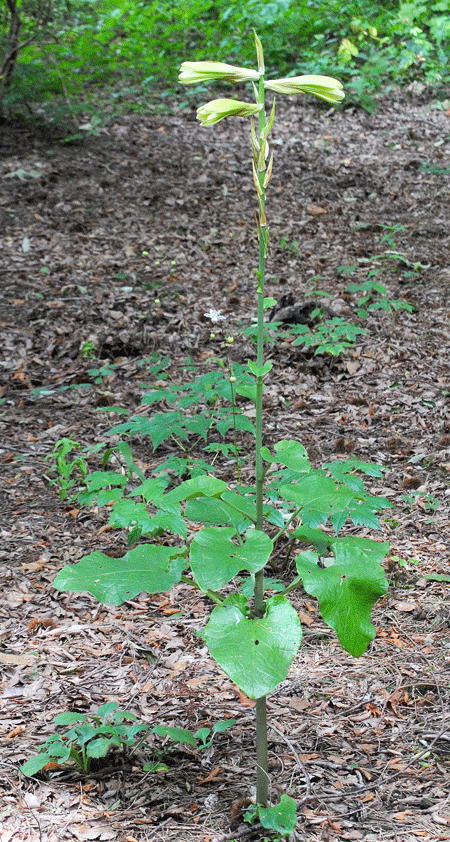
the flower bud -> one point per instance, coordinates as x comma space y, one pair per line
193, 72
259, 53
322, 86
217, 109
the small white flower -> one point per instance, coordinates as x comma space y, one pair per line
215, 316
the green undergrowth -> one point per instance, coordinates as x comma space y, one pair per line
98, 58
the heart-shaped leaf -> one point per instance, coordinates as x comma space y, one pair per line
347, 589
255, 652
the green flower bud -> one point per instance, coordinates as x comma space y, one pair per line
217, 109
322, 86
193, 72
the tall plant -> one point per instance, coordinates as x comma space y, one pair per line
253, 636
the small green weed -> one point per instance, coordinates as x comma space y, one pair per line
94, 736
375, 298
91, 737
99, 374
88, 349
424, 500
66, 468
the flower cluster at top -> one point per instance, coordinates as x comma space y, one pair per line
194, 72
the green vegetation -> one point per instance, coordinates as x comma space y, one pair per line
90, 737
88, 59
252, 632
94, 736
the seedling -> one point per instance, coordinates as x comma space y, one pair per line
94, 736
88, 349
90, 737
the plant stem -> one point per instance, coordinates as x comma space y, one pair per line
262, 775
259, 605
233, 404
262, 237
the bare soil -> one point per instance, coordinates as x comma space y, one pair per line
112, 251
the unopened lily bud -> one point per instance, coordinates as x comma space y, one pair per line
214, 111
259, 53
322, 86
193, 72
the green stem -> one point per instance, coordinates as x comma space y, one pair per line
233, 404
262, 237
259, 604
262, 775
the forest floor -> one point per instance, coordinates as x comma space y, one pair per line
112, 251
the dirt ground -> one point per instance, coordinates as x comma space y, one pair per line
112, 250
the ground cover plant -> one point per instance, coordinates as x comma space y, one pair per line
254, 640
92, 738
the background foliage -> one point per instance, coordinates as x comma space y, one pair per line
102, 56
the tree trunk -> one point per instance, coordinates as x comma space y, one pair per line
8, 63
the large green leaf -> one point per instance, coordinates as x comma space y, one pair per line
256, 653
319, 497
147, 567
347, 589
282, 817
215, 559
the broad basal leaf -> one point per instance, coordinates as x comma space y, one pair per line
147, 567
255, 653
348, 589
215, 558
281, 818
